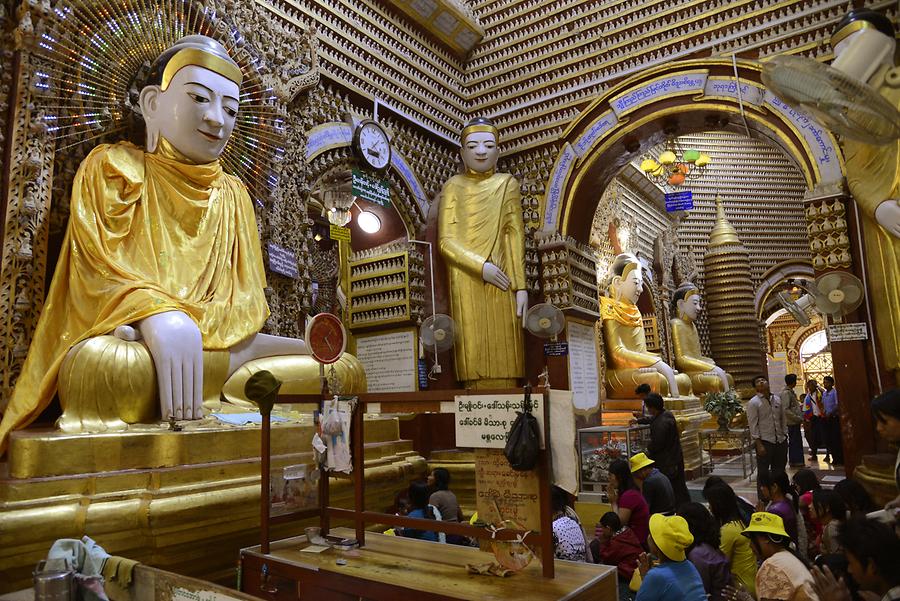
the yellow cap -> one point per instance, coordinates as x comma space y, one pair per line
766, 523
671, 535
640, 461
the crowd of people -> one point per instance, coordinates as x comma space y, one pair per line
799, 542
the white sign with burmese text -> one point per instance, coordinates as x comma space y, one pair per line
389, 360
483, 421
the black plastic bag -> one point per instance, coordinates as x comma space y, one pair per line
524, 443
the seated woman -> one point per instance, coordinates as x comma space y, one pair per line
829, 511
809, 532
675, 578
616, 545
782, 574
442, 497
777, 496
419, 508
627, 501
723, 504
855, 497
568, 537
704, 552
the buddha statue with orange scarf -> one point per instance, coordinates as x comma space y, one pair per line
628, 362
158, 296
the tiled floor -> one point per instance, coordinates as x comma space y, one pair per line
730, 470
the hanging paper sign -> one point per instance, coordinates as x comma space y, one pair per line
341, 234
283, 261
842, 332
369, 188
679, 201
556, 349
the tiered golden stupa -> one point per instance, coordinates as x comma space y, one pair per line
733, 329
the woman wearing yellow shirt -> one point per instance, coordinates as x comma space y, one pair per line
723, 504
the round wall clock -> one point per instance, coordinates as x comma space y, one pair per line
326, 338
371, 143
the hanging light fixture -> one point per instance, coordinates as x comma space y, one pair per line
674, 165
368, 222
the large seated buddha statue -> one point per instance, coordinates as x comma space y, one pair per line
158, 296
628, 362
705, 375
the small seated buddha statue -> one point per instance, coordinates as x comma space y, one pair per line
158, 295
628, 362
705, 375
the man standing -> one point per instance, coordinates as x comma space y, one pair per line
793, 416
655, 487
813, 413
765, 415
833, 444
665, 445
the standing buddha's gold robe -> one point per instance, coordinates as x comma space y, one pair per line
628, 362
480, 220
689, 358
873, 176
148, 233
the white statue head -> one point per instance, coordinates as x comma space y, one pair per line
862, 43
627, 278
686, 302
479, 149
191, 98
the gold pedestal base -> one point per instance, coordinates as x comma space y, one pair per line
182, 501
876, 474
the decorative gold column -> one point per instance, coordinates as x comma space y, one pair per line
733, 328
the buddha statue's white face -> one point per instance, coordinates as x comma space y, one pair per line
629, 288
690, 307
196, 113
480, 151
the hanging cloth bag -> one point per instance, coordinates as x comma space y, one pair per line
524, 443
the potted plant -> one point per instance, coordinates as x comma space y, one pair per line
724, 405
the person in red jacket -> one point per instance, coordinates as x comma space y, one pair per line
617, 545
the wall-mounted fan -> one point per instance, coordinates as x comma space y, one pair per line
790, 305
837, 293
841, 103
545, 321
437, 335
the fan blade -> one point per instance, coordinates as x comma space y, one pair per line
823, 305
852, 294
829, 282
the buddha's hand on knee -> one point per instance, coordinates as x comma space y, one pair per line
176, 346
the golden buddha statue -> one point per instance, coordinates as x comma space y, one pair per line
705, 375
864, 48
481, 237
628, 362
158, 293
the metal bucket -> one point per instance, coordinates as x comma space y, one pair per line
53, 585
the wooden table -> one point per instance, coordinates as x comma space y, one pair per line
391, 568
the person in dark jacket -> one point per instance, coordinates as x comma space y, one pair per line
665, 445
704, 552
655, 487
617, 545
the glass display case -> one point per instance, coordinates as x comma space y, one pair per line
600, 446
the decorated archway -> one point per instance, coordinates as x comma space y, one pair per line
685, 97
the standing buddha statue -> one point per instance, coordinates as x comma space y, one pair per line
705, 375
158, 295
481, 236
628, 362
864, 47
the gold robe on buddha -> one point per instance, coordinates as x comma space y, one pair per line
148, 233
689, 358
873, 176
628, 362
480, 220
